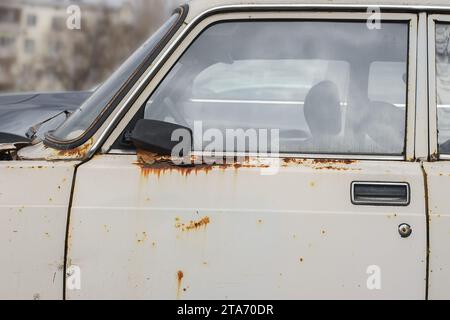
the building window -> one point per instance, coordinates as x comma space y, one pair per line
55, 47
29, 46
6, 41
58, 24
31, 20
9, 15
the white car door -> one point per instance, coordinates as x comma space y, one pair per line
34, 202
331, 219
438, 171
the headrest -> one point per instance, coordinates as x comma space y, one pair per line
323, 109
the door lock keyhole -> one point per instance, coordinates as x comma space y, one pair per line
404, 230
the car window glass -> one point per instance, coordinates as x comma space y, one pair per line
443, 86
327, 87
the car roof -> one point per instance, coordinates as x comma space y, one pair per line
197, 7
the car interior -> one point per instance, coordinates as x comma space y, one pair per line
328, 87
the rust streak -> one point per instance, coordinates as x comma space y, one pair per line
180, 276
152, 163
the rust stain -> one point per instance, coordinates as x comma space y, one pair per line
192, 225
154, 164
322, 164
79, 152
142, 237
434, 156
333, 161
180, 276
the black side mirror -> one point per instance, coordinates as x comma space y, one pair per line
160, 137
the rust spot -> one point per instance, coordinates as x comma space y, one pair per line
434, 156
332, 168
180, 276
333, 161
322, 164
192, 225
312, 184
79, 152
294, 160
142, 237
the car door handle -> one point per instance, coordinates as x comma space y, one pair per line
380, 193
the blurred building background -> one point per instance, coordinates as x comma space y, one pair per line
39, 53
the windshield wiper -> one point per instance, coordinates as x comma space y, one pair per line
33, 130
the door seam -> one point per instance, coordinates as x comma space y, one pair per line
427, 216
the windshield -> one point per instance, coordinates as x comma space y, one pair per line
80, 121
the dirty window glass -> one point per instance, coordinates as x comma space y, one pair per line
385, 79
443, 86
325, 87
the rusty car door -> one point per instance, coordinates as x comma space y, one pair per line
34, 202
333, 219
438, 171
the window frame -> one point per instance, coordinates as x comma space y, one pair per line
193, 31
434, 19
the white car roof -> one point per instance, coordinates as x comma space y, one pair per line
196, 7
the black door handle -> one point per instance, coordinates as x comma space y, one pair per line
380, 193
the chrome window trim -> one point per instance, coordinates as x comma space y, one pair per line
397, 16
279, 155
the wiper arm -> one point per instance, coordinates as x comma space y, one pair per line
33, 130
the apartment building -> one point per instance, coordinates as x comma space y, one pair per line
26, 25
10, 21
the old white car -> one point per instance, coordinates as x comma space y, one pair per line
344, 194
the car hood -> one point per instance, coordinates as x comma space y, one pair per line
19, 112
